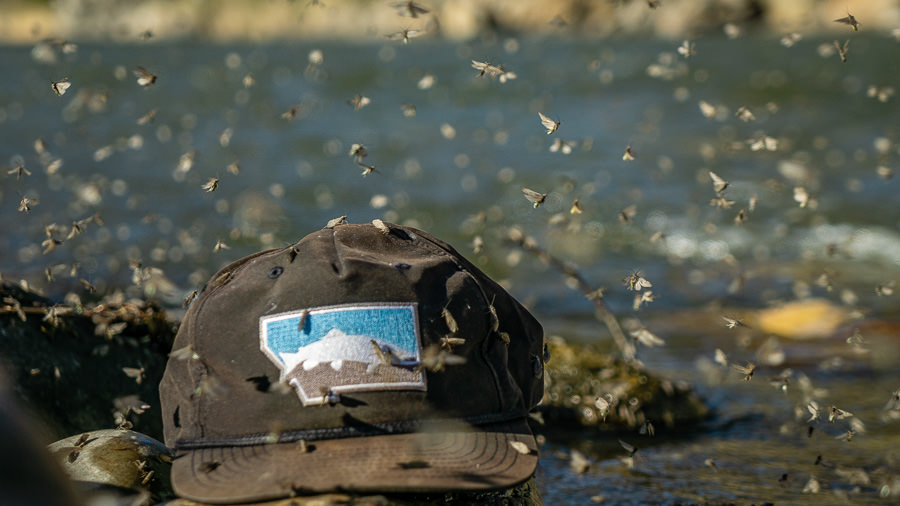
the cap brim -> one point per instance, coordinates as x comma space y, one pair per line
427, 461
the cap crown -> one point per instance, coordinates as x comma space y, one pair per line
221, 380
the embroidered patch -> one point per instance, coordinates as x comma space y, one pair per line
349, 348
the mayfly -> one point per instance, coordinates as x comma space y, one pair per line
448, 342
381, 226
359, 101
358, 151
144, 77
850, 20
631, 449
746, 370
836, 413
719, 184
801, 196
536, 198
60, 87
790, 39
404, 35
520, 447
137, 373
885, 289
26, 203
647, 338
147, 118
721, 203
686, 49
744, 114
732, 322
366, 169
449, 320
625, 215
340, 220
304, 317
578, 463
291, 113
763, 143
561, 146
642, 298
493, 71
636, 282
720, 357
383, 354
707, 110
211, 184
548, 123
19, 167
842, 49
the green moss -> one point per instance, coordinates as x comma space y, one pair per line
585, 388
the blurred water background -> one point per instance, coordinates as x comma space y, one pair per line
811, 208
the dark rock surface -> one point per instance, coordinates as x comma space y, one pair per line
81, 368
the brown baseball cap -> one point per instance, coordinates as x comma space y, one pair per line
367, 358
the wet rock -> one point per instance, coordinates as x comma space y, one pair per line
81, 368
587, 389
117, 459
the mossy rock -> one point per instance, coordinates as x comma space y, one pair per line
584, 388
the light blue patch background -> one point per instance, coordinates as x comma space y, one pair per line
392, 324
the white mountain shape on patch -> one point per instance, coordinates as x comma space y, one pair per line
335, 347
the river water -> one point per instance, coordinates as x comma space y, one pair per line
811, 174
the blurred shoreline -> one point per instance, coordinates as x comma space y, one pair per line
23, 22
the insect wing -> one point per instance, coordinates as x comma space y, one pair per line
536, 198
548, 123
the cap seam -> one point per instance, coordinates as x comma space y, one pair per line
368, 430
202, 367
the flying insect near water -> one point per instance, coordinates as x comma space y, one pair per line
404, 35
850, 20
746, 370
686, 49
561, 146
147, 118
550, 124
211, 184
367, 169
60, 87
536, 198
359, 101
358, 151
719, 184
144, 77
636, 281
18, 167
493, 71
842, 49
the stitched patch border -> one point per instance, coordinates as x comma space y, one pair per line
345, 348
